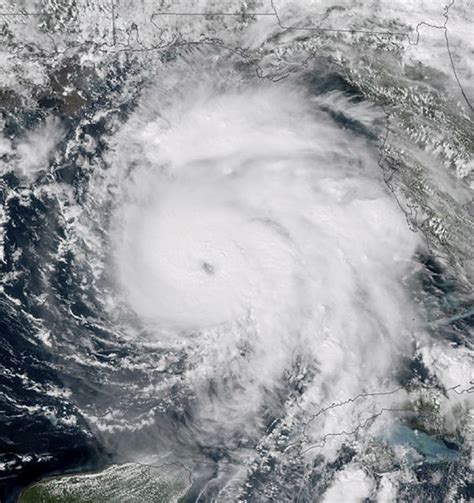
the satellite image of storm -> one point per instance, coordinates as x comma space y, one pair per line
236, 251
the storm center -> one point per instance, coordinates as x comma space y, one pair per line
208, 268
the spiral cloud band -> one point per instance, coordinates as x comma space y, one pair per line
236, 251
255, 231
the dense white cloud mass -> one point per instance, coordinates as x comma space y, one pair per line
34, 152
351, 485
255, 231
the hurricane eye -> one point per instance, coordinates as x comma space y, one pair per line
208, 268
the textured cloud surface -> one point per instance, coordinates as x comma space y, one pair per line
256, 232
240, 238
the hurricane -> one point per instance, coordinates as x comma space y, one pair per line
236, 254
254, 232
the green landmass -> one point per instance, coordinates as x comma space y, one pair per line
125, 483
